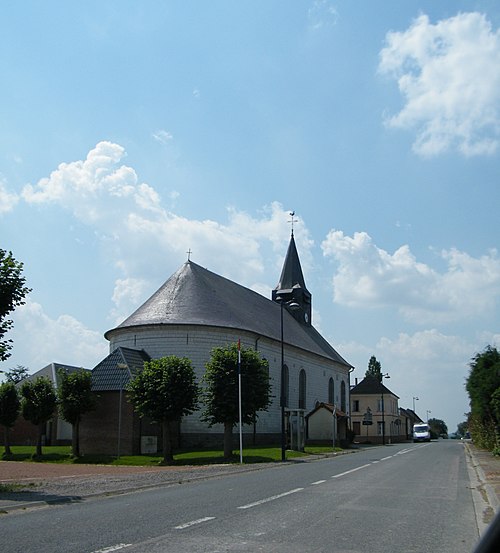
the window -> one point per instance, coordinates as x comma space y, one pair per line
331, 390
380, 405
356, 427
380, 428
286, 386
302, 389
355, 405
342, 397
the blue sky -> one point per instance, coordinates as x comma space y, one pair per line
132, 132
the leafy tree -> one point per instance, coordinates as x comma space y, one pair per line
38, 404
75, 399
374, 368
438, 428
165, 390
17, 374
221, 389
13, 290
482, 386
462, 429
9, 410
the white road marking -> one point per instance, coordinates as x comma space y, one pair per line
352, 470
111, 548
318, 482
267, 499
385, 458
193, 522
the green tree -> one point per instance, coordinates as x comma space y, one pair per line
38, 405
165, 390
13, 290
17, 374
482, 385
75, 399
9, 410
462, 428
438, 428
220, 392
374, 368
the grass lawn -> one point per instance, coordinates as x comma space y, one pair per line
62, 454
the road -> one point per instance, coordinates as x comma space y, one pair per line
405, 498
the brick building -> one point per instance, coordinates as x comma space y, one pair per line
194, 311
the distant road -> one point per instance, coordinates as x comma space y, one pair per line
404, 498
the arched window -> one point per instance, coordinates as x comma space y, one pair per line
286, 386
302, 389
342, 397
331, 390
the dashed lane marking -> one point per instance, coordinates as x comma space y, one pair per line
350, 471
193, 523
267, 499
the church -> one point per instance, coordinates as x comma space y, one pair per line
194, 311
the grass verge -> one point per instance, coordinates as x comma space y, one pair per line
62, 454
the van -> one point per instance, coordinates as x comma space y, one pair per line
421, 432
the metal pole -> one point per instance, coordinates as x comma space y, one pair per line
120, 414
383, 419
282, 393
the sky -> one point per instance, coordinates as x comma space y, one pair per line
134, 132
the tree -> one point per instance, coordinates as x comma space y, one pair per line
9, 410
462, 429
438, 428
17, 374
221, 389
374, 368
165, 390
13, 290
39, 402
75, 399
482, 385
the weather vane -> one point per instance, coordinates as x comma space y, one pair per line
292, 220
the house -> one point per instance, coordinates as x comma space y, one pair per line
56, 431
326, 423
194, 311
375, 414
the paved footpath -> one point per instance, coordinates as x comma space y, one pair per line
43, 484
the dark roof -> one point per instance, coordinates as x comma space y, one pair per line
329, 407
196, 296
370, 385
108, 375
291, 275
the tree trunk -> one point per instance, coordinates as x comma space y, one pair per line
41, 428
75, 439
228, 440
168, 457
6, 441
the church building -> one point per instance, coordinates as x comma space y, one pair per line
194, 311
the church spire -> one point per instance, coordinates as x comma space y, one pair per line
292, 287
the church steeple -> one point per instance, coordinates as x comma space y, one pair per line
292, 287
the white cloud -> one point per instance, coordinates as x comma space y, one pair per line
43, 340
369, 277
322, 14
449, 75
163, 137
8, 200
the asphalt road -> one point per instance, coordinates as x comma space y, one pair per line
400, 499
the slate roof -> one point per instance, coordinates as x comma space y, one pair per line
108, 375
196, 296
370, 385
52, 372
291, 274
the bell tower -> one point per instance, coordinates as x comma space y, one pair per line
291, 287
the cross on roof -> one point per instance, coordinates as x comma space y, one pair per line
189, 252
292, 220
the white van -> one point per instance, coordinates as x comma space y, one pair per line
421, 432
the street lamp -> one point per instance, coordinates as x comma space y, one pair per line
414, 399
427, 415
386, 375
293, 306
121, 366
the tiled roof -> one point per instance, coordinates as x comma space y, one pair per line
370, 385
116, 370
197, 296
